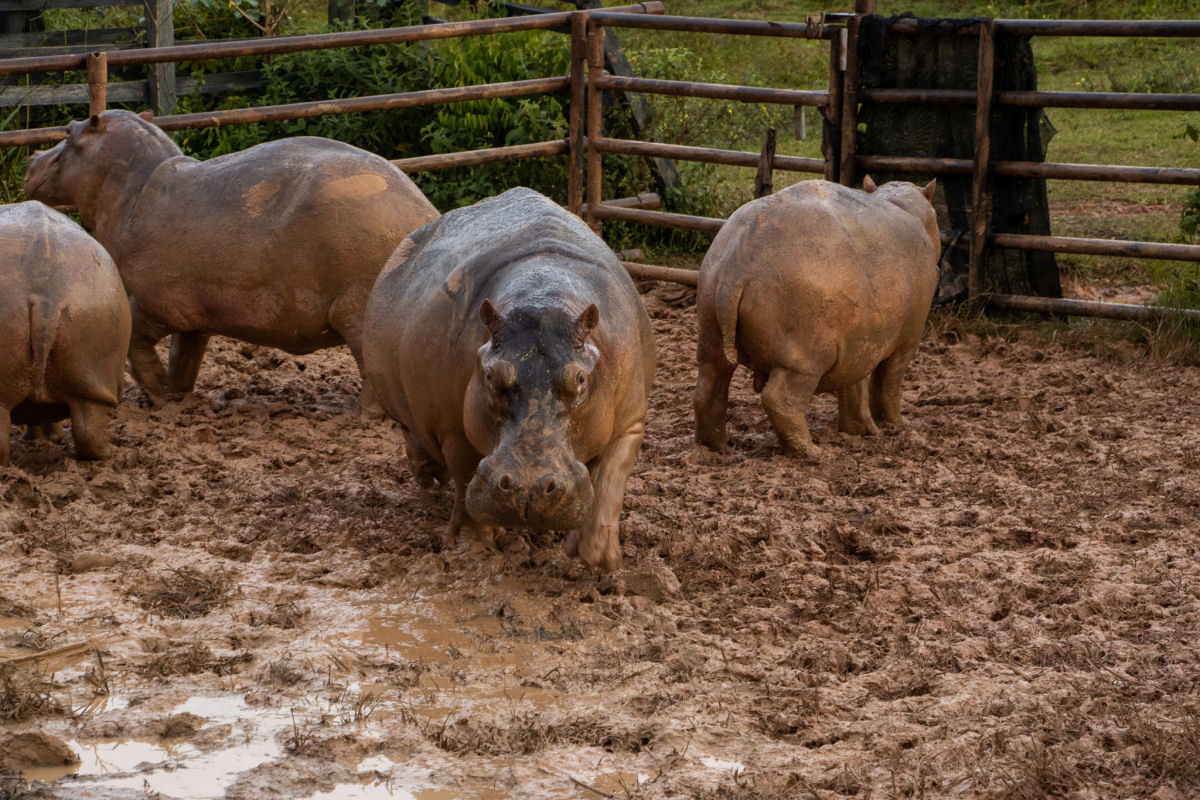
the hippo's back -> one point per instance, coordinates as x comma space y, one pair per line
518, 242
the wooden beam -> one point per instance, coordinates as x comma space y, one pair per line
160, 32
981, 197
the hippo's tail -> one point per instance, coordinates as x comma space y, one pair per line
44, 319
729, 298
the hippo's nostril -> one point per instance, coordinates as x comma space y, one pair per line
505, 482
551, 486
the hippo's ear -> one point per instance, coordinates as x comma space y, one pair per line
94, 121
929, 189
868, 184
491, 317
585, 324
147, 115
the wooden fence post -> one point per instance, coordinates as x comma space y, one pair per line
981, 198
97, 78
848, 173
595, 107
831, 129
575, 139
160, 78
763, 182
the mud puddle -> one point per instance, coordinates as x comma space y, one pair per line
174, 767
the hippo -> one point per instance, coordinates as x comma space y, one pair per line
64, 329
816, 288
276, 245
512, 348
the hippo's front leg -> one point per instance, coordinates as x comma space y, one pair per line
598, 542
462, 459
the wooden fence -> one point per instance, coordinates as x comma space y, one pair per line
585, 143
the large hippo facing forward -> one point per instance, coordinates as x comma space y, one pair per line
64, 328
276, 245
514, 351
817, 288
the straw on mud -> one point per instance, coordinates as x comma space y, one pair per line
69, 649
577, 782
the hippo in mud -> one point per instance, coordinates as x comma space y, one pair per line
816, 288
513, 349
64, 328
277, 245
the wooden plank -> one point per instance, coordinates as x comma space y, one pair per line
160, 32
72, 48
41, 5
124, 92
93, 36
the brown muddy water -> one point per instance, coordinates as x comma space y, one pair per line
252, 599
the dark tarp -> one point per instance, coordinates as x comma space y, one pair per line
937, 58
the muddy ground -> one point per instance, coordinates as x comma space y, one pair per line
252, 599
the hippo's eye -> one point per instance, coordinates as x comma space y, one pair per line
487, 376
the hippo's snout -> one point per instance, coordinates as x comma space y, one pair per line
554, 494
37, 172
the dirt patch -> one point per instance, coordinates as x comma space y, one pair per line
1000, 600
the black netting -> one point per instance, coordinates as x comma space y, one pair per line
934, 58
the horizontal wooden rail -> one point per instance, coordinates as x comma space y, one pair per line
276, 45
662, 219
688, 277
516, 152
718, 91
1099, 27
708, 155
648, 200
1061, 27
317, 108
746, 27
348, 105
1090, 308
1098, 247
1109, 100
1178, 176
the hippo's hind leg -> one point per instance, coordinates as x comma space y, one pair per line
424, 467
885, 386
345, 317
89, 428
144, 363
854, 415
187, 351
786, 398
462, 460
598, 542
710, 402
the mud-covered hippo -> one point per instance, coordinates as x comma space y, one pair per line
514, 351
816, 288
277, 245
64, 328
